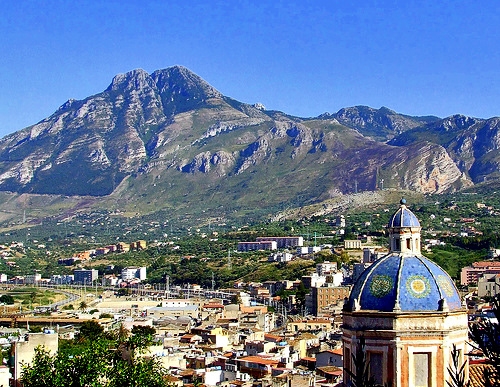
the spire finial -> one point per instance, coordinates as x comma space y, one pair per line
402, 201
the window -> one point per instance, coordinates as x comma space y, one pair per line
408, 244
376, 365
421, 363
397, 244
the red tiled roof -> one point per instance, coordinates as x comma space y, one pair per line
476, 374
330, 370
258, 360
486, 263
271, 336
214, 306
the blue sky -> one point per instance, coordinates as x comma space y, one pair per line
304, 58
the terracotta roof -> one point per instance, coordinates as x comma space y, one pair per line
213, 306
258, 360
330, 370
337, 351
486, 264
187, 372
171, 378
308, 358
476, 374
272, 337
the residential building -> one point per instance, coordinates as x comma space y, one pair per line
32, 279
488, 285
326, 267
471, 274
284, 242
134, 272
280, 257
59, 279
303, 250
23, 351
85, 276
257, 367
330, 357
354, 244
321, 298
251, 246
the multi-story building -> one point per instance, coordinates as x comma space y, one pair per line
251, 246
283, 242
326, 267
488, 285
134, 272
322, 297
352, 244
85, 276
59, 279
33, 278
471, 274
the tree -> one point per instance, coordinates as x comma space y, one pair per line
457, 370
100, 364
90, 330
7, 299
142, 336
236, 299
83, 306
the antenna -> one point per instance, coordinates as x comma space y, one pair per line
213, 281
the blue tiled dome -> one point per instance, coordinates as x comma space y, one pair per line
403, 217
404, 283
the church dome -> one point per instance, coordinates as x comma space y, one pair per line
403, 217
404, 283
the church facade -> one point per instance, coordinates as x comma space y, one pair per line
407, 311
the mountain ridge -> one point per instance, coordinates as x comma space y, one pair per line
170, 140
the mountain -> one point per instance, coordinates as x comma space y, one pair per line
380, 124
472, 143
168, 140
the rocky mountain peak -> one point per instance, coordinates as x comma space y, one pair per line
180, 80
133, 80
458, 122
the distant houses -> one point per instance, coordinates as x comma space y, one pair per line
120, 247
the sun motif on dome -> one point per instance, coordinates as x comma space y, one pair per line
418, 286
445, 284
381, 285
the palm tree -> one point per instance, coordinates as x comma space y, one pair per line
83, 306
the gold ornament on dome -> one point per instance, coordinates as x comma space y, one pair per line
418, 286
381, 285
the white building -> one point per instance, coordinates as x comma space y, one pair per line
280, 257
326, 267
32, 278
134, 272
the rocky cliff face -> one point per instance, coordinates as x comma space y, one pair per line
173, 128
472, 144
